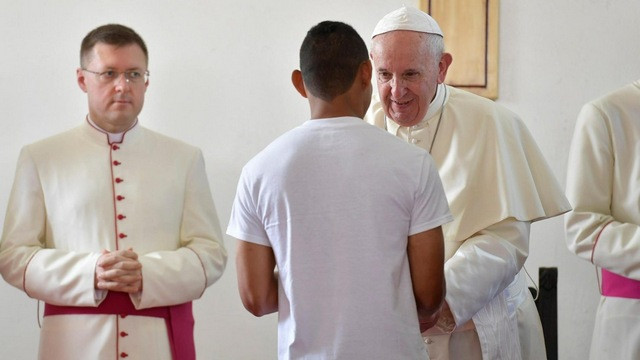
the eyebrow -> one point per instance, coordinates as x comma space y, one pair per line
404, 72
113, 68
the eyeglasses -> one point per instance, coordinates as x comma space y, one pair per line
131, 76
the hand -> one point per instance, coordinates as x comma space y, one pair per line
446, 322
441, 322
428, 323
119, 270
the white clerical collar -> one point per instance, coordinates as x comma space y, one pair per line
436, 103
113, 137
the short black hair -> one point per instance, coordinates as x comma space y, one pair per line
112, 34
330, 56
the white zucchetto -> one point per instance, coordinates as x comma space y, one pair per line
407, 18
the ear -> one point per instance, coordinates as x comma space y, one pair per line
298, 83
366, 71
443, 66
80, 77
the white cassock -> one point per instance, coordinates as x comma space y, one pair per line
497, 182
603, 185
74, 195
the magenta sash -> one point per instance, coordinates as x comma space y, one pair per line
178, 318
619, 286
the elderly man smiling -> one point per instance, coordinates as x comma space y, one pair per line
496, 181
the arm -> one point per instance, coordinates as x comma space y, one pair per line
484, 265
181, 275
425, 251
590, 188
55, 276
257, 281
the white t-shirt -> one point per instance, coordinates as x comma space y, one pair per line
336, 199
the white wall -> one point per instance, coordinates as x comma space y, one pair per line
220, 80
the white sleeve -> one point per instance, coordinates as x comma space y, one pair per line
55, 276
590, 186
430, 207
484, 265
245, 223
178, 276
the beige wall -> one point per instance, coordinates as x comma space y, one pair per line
220, 80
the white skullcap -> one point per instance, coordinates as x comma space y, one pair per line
407, 18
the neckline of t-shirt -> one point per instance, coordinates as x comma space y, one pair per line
339, 119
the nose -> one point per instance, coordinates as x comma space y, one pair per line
398, 88
121, 82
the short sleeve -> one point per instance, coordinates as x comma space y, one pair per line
431, 208
245, 223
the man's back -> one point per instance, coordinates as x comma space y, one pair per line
337, 200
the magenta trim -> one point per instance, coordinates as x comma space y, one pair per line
615, 285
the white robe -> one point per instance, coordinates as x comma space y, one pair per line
497, 182
64, 209
603, 185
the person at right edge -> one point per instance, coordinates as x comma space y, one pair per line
496, 180
603, 185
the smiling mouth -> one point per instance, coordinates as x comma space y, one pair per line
401, 103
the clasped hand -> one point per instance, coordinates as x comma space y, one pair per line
119, 270
442, 320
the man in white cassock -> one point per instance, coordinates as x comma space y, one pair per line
496, 180
603, 185
110, 224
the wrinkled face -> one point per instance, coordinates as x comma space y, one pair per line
113, 105
407, 75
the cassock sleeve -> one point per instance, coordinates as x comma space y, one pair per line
484, 265
590, 186
55, 276
174, 277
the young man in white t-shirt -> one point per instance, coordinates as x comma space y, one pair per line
350, 216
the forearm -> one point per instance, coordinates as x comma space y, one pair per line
608, 243
55, 276
257, 278
58, 277
268, 303
179, 276
176, 276
425, 252
484, 266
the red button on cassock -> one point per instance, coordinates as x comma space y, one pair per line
124, 355
115, 147
119, 180
116, 162
123, 334
119, 197
121, 217
122, 236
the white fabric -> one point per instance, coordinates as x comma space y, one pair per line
496, 181
603, 185
62, 213
407, 18
436, 104
336, 199
510, 315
